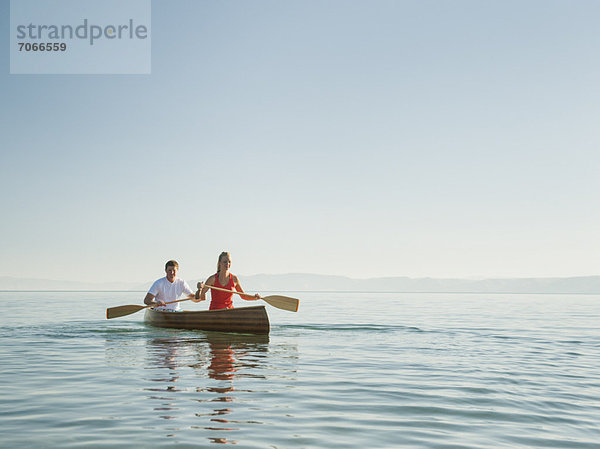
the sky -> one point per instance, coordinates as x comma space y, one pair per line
347, 137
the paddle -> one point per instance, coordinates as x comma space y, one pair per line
281, 302
116, 312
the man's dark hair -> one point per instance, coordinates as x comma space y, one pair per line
172, 263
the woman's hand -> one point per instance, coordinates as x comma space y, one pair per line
197, 297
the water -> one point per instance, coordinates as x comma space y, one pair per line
356, 370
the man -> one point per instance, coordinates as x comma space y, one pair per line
168, 289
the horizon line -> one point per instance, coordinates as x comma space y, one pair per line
414, 292
465, 278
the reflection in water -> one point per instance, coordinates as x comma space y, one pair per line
217, 360
165, 355
221, 361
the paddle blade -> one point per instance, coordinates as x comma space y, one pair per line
283, 302
116, 312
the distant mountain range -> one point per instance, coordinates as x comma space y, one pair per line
317, 282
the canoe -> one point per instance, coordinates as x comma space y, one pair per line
243, 320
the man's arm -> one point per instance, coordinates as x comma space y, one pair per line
150, 301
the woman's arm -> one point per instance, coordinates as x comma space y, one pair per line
204, 288
238, 287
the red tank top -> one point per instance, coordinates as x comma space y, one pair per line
219, 299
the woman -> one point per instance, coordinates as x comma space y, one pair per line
223, 279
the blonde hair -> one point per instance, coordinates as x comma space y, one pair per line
224, 253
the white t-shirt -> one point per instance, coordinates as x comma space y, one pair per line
166, 291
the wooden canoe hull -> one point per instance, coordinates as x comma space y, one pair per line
243, 320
